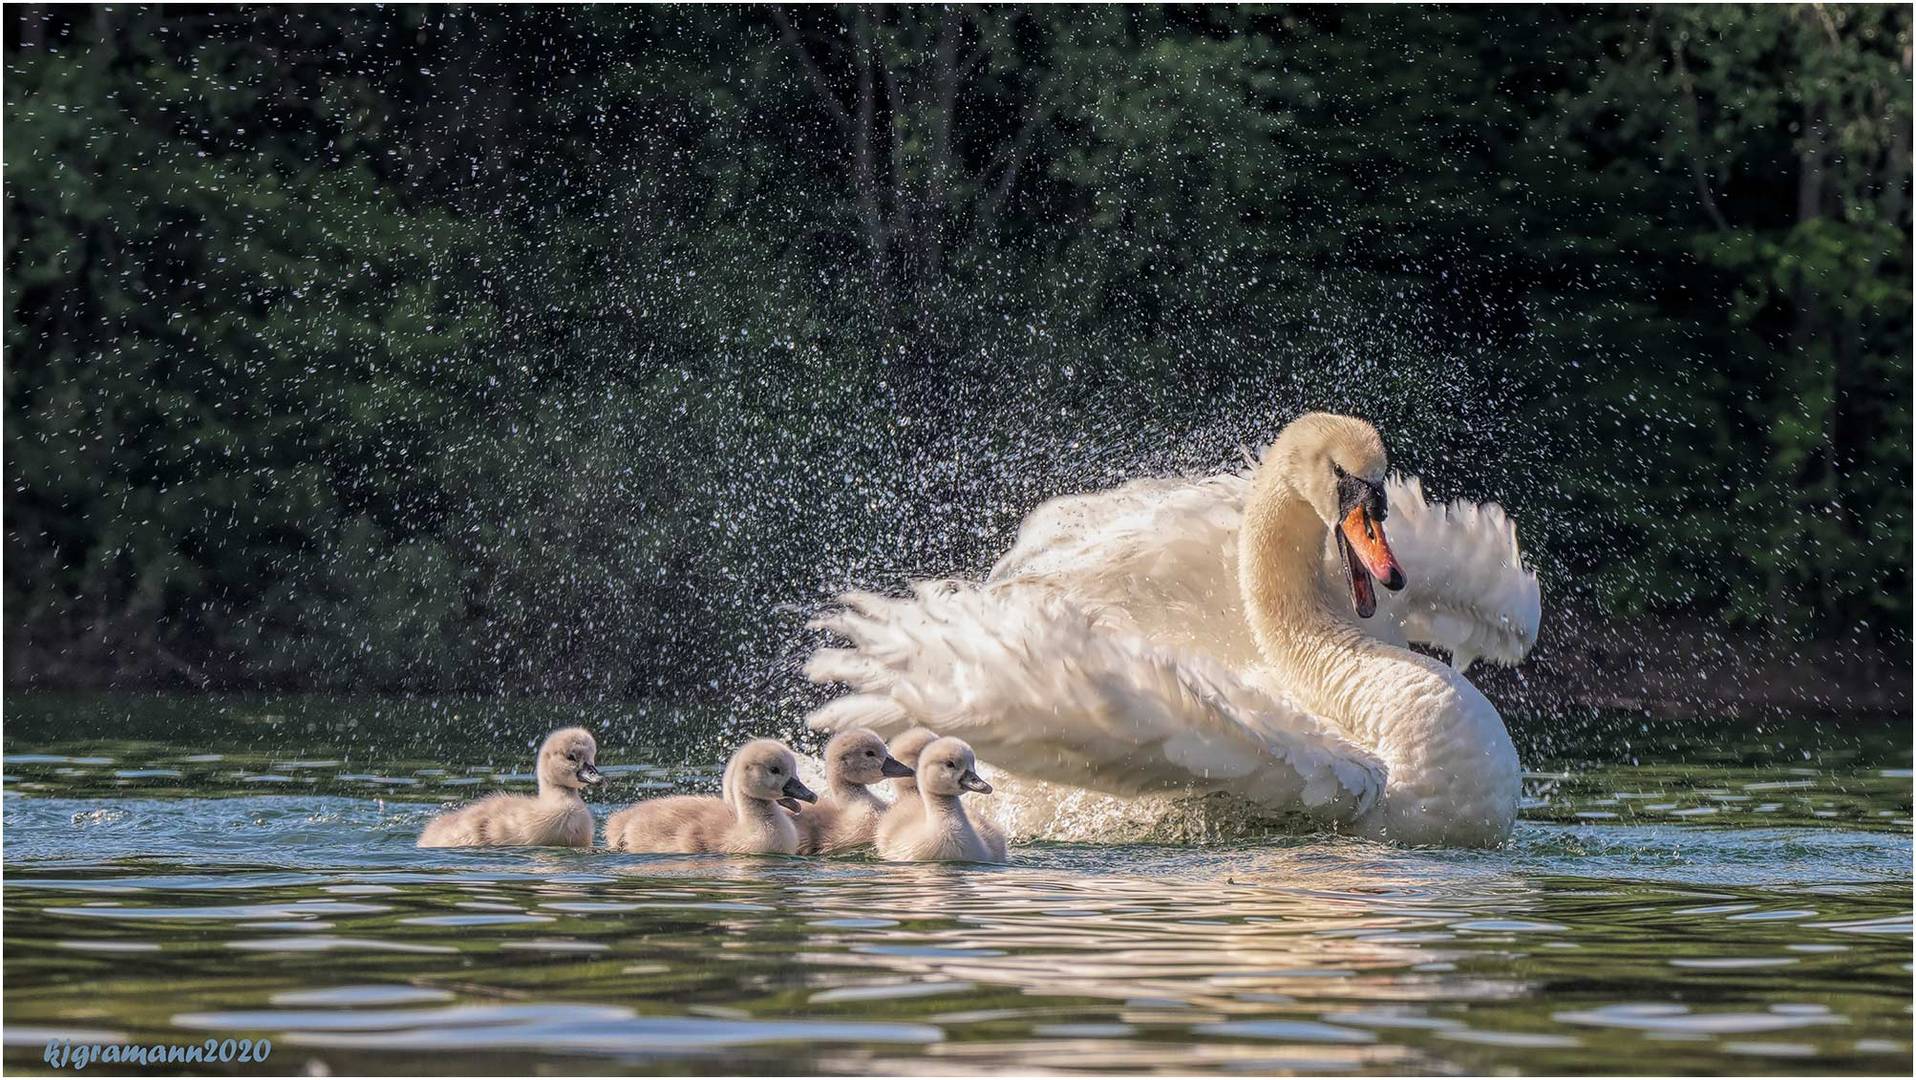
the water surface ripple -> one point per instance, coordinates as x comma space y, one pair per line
142, 910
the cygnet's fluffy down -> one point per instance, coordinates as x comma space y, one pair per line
908, 806
556, 817
761, 780
847, 817
941, 831
906, 749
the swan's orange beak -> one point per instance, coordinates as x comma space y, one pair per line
1368, 556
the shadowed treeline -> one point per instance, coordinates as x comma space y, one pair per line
588, 349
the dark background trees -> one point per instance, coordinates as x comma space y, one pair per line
586, 350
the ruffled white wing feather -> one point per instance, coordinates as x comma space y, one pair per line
1164, 552
1468, 592
1051, 690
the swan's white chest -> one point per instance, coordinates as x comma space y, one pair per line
1453, 776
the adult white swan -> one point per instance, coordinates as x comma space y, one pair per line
1225, 634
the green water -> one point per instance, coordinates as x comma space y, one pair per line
1681, 896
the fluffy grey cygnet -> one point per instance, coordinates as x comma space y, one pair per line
847, 817
761, 780
556, 817
941, 831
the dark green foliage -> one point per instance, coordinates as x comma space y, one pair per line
589, 349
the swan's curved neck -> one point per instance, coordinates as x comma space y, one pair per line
1279, 547
1318, 654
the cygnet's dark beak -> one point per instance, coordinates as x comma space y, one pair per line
590, 774
895, 768
791, 806
796, 790
971, 781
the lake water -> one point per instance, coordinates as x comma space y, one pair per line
1681, 896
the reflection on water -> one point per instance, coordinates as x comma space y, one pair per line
139, 911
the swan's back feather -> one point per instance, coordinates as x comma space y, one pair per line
1043, 687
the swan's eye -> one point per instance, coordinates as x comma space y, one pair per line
871, 753
572, 757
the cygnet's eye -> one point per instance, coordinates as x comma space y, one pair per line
871, 753
572, 757
776, 771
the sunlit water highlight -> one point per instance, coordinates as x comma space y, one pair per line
1740, 908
